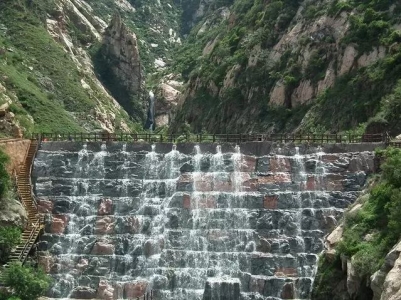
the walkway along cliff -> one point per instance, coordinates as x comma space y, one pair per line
191, 221
35, 221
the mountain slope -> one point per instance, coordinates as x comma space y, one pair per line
292, 65
47, 73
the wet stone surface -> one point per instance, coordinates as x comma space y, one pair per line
192, 222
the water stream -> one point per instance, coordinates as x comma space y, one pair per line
124, 219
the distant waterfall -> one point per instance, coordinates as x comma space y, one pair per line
150, 122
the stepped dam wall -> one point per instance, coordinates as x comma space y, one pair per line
191, 221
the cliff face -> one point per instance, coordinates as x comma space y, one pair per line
361, 259
119, 66
121, 47
289, 66
48, 79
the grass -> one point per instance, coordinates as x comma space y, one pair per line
45, 79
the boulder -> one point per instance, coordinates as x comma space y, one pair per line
12, 213
83, 292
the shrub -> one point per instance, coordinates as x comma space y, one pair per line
9, 238
371, 232
4, 177
26, 283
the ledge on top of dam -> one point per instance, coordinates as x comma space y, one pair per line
247, 148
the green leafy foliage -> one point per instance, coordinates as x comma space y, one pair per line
25, 282
9, 238
4, 177
329, 275
371, 231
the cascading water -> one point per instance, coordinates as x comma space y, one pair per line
123, 219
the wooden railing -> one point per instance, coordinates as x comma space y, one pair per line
214, 138
35, 221
395, 144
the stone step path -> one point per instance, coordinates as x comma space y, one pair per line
35, 221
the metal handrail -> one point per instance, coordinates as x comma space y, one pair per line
30, 174
213, 138
32, 237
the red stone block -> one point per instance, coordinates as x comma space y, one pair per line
222, 186
186, 201
104, 225
248, 163
280, 164
251, 184
270, 202
275, 179
334, 182
103, 248
207, 202
286, 272
46, 262
135, 289
105, 290
203, 183
45, 206
105, 207
310, 184
59, 223
288, 291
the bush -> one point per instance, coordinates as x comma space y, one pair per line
9, 238
4, 177
26, 283
373, 230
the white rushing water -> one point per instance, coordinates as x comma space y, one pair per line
127, 219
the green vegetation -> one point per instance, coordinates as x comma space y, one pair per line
25, 283
44, 78
362, 98
370, 231
4, 177
329, 280
9, 238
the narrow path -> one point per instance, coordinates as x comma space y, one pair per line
35, 221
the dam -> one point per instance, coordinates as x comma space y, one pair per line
191, 221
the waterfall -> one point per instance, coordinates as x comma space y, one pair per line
189, 222
150, 121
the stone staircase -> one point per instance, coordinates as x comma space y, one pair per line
35, 221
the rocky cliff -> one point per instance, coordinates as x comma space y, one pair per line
119, 66
291, 66
47, 77
362, 255
12, 212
